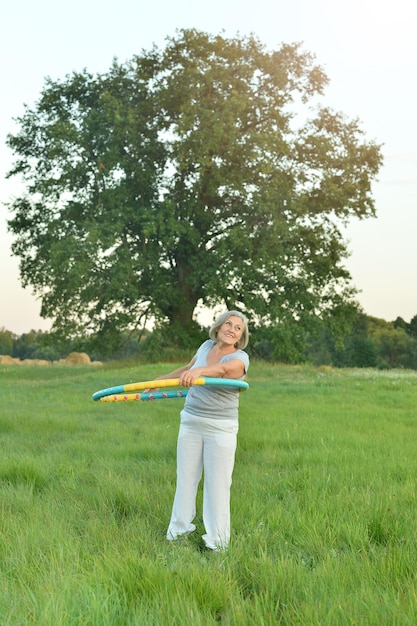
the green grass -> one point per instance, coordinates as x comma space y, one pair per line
323, 503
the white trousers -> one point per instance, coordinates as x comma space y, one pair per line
209, 445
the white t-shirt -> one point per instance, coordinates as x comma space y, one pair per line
214, 401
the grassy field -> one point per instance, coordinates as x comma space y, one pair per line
323, 503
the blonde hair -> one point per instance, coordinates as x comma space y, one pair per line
244, 339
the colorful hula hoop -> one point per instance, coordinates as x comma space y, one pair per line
127, 392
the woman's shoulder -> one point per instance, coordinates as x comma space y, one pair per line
206, 345
239, 354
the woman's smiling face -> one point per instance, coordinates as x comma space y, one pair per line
231, 330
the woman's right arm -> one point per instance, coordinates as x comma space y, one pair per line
174, 374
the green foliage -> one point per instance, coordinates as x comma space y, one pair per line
412, 327
323, 503
172, 342
393, 348
354, 348
37, 345
285, 343
6, 342
202, 173
344, 337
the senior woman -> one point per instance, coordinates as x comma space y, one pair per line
208, 431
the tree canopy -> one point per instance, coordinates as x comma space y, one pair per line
205, 172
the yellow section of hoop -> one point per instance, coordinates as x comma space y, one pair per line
120, 397
154, 384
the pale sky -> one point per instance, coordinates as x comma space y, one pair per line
368, 48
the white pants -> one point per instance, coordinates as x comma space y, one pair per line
208, 444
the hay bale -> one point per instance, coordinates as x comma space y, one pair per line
78, 358
5, 359
325, 369
42, 362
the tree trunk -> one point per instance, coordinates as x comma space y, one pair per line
181, 310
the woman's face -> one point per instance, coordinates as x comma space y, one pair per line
231, 330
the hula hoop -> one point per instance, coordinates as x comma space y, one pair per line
125, 392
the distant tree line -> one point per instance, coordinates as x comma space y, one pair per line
347, 338
364, 341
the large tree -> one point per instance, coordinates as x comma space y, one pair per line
206, 172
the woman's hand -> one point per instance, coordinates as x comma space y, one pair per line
188, 377
178, 373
